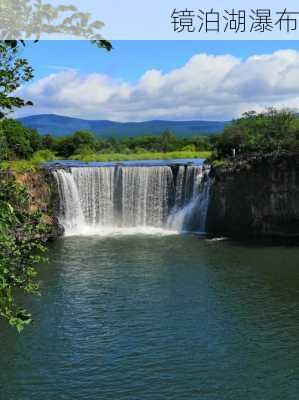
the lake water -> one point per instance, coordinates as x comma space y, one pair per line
136, 163
141, 317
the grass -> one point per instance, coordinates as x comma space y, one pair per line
141, 156
19, 165
33, 164
37, 159
221, 163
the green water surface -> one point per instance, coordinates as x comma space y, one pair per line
156, 318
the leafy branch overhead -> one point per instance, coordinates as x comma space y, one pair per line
13, 72
20, 20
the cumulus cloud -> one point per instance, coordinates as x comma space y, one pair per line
206, 87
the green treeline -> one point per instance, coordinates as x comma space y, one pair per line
267, 132
19, 142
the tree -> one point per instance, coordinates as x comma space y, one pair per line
271, 130
34, 138
13, 72
281, 122
65, 147
168, 140
48, 142
4, 149
249, 114
84, 150
17, 141
85, 138
17, 138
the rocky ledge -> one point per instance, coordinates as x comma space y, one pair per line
256, 197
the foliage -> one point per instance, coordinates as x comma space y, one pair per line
19, 142
13, 72
20, 249
84, 143
64, 147
31, 165
24, 19
42, 156
273, 130
18, 166
270, 131
221, 163
84, 138
168, 141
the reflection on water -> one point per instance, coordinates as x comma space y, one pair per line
158, 317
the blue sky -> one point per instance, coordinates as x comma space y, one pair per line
130, 59
178, 80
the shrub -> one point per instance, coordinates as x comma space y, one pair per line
20, 246
42, 156
189, 147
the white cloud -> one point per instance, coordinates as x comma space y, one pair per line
206, 87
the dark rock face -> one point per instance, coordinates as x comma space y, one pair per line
256, 198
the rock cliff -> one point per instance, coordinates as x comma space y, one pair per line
256, 197
43, 197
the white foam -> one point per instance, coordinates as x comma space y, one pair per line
108, 231
217, 239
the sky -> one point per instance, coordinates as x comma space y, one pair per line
178, 80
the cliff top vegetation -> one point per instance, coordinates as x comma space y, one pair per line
271, 131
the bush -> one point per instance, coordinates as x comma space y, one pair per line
42, 156
221, 164
19, 249
84, 149
189, 147
272, 130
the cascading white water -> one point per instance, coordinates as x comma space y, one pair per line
95, 188
97, 199
192, 200
145, 195
71, 214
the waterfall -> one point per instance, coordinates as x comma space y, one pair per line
142, 198
190, 210
71, 215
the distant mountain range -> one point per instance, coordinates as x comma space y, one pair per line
58, 125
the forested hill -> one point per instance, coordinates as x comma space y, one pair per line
59, 126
